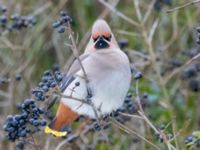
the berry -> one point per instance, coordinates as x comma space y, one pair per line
58, 77
129, 95
189, 73
162, 127
77, 83
96, 127
43, 123
4, 9
189, 139
53, 84
3, 19
198, 143
198, 29
198, 39
61, 29
47, 73
45, 88
194, 85
56, 24
138, 75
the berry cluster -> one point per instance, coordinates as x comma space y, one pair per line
198, 36
15, 22
190, 73
28, 121
64, 20
50, 80
193, 139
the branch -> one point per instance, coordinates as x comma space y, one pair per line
118, 13
183, 6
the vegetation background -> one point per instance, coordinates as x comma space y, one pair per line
161, 45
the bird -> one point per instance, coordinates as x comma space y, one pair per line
107, 69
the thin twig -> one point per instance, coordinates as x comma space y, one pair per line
129, 131
130, 115
176, 71
183, 6
118, 13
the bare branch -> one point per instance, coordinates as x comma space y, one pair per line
183, 6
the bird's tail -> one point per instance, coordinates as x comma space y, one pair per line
64, 116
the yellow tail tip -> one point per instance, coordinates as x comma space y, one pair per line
48, 130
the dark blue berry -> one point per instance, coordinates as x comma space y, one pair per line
20, 145
138, 75
189, 73
10, 129
77, 83
45, 88
9, 118
194, 85
198, 29
22, 133
3, 19
129, 95
56, 24
53, 84
61, 29
198, 143
15, 17
189, 139
43, 123
41, 84
35, 123
198, 39
4, 9
97, 127
14, 122
162, 127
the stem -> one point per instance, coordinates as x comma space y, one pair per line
183, 6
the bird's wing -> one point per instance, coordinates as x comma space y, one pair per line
69, 76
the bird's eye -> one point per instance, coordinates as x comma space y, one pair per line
95, 38
107, 38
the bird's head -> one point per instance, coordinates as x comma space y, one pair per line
102, 37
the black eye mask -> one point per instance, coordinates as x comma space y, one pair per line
101, 42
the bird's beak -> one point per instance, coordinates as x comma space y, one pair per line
101, 43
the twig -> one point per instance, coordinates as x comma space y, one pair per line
76, 54
129, 131
152, 31
35, 144
130, 115
118, 13
183, 6
41, 9
142, 114
176, 71
150, 8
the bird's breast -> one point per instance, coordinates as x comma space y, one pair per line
109, 80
